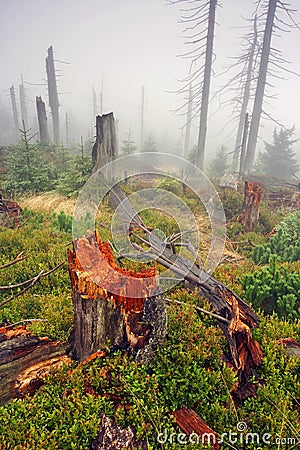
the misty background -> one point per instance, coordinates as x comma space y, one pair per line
117, 47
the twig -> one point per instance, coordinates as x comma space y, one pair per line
215, 316
13, 286
20, 257
24, 321
33, 281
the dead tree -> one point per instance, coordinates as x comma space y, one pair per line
188, 124
94, 99
246, 90
250, 211
23, 102
42, 120
195, 17
269, 57
105, 147
53, 95
14, 107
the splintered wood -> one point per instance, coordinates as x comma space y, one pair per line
111, 303
25, 360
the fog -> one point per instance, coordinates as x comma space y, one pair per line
121, 46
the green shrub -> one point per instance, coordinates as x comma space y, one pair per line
274, 288
285, 244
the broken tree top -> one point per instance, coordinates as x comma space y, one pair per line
94, 273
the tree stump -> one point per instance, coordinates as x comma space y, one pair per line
250, 210
105, 147
42, 120
112, 304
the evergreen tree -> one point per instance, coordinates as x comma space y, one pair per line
149, 144
219, 165
28, 169
279, 158
128, 145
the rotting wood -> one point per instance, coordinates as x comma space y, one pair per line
250, 211
113, 437
25, 360
193, 425
134, 318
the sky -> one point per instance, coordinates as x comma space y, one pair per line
123, 45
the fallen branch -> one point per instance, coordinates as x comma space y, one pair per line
32, 282
197, 308
19, 258
12, 325
44, 274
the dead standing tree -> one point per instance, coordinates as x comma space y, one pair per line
203, 37
14, 107
42, 120
23, 102
105, 147
269, 57
53, 95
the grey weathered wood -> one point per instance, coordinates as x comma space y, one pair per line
105, 148
53, 95
42, 121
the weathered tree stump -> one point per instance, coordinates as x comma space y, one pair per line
42, 120
112, 304
250, 210
105, 148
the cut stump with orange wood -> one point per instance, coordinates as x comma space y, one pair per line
113, 305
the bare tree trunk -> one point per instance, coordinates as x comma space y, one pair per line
206, 84
14, 107
245, 99
244, 144
137, 324
53, 95
105, 147
188, 123
94, 97
23, 102
42, 120
260, 89
142, 118
250, 210
67, 130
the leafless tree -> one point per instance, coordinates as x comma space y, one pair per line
199, 18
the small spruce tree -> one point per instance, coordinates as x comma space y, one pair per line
219, 164
279, 158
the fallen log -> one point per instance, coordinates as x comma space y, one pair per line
10, 213
113, 304
25, 360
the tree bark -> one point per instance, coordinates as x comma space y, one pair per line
206, 84
42, 120
105, 147
103, 315
250, 211
260, 89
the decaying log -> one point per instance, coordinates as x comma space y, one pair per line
105, 148
246, 354
250, 211
112, 437
134, 318
195, 427
25, 360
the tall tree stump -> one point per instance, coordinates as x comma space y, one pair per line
131, 316
42, 120
105, 148
250, 211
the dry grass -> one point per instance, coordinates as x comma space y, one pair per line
49, 203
